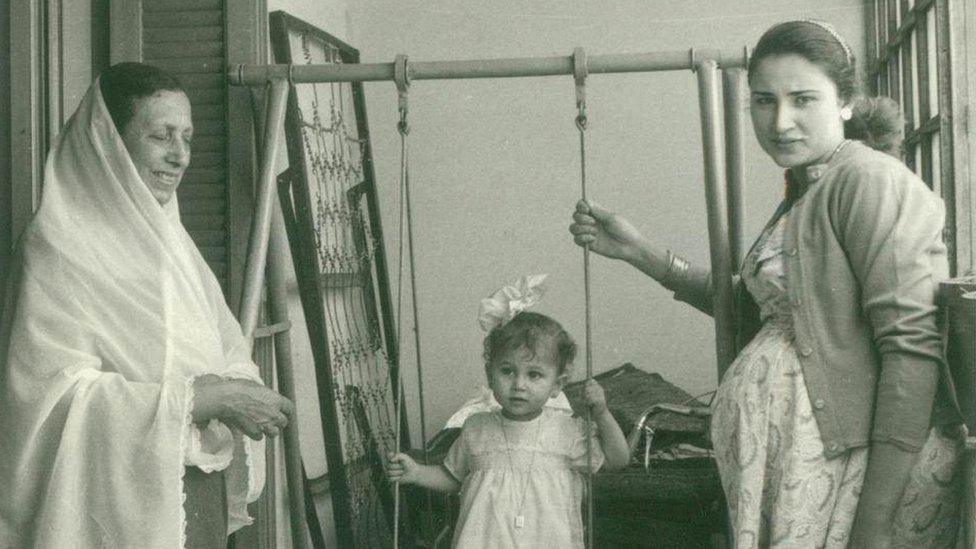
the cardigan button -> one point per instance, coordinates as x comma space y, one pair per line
792, 251
819, 404
806, 351
797, 301
833, 447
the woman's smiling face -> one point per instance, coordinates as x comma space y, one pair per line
796, 111
158, 140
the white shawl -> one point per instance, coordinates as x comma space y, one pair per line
111, 312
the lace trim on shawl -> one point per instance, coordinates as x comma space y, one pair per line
249, 461
188, 395
209, 448
246, 371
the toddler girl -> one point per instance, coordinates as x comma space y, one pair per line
520, 469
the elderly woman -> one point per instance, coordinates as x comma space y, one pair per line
125, 382
827, 428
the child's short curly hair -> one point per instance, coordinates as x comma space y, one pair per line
531, 331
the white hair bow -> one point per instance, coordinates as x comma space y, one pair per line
510, 300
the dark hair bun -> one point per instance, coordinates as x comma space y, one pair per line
879, 123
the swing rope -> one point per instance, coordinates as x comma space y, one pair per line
403, 129
579, 76
402, 79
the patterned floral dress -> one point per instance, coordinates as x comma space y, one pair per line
782, 491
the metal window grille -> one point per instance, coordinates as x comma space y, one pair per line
909, 61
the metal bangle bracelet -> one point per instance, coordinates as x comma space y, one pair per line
667, 272
677, 267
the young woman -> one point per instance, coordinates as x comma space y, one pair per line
827, 428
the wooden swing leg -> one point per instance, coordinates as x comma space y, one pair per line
312, 516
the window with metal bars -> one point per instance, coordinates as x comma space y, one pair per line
912, 59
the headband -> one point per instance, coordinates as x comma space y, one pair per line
833, 32
509, 300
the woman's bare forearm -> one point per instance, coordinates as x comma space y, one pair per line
690, 283
649, 259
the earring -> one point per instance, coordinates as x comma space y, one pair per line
846, 113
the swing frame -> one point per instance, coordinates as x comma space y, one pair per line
722, 155
723, 152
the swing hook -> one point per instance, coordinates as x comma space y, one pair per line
580, 72
401, 77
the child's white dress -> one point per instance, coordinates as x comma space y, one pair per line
522, 481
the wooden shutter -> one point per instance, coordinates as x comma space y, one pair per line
186, 38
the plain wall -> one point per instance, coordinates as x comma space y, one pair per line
495, 172
5, 244
328, 15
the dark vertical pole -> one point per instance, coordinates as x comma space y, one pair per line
718, 236
733, 81
278, 256
893, 66
946, 175
907, 79
871, 31
924, 140
314, 528
882, 80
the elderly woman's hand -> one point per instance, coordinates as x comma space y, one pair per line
241, 404
607, 233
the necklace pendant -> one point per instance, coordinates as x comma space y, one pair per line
519, 521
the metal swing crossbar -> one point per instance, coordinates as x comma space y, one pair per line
257, 75
724, 171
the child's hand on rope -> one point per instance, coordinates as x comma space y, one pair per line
594, 398
607, 233
612, 439
401, 468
